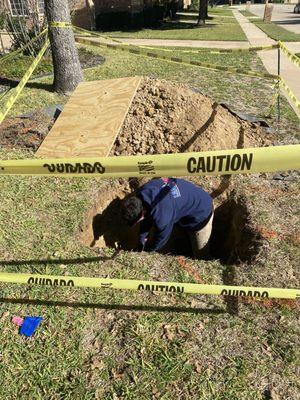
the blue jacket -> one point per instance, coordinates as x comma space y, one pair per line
168, 202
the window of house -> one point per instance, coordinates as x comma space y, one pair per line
19, 7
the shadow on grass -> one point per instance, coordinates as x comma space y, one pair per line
118, 307
294, 21
59, 261
166, 26
229, 278
12, 83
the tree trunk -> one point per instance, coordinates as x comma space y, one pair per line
206, 9
202, 12
66, 64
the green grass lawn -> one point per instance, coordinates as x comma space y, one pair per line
20, 65
247, 13
276, 32
238, 90
115, 345
212, 20
221, 26
17, 67
184, 31
218, 11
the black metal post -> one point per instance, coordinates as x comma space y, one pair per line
278, 94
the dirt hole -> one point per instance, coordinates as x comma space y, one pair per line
167, 117
233, 239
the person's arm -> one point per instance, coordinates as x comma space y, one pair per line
145, 227
160, 238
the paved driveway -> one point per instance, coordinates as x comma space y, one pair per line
282, 15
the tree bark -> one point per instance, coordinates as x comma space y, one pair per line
66, 64
202, 12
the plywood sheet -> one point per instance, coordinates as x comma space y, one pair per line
91, 119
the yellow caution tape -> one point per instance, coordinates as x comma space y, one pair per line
58, 24
139, 51
289, 54
97, 34
14, 53
16, 92
152, 286
215, 51
218, 162
290, 93
273, 99
246, 50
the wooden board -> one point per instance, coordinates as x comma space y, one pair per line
91, 119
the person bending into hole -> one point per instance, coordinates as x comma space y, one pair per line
160, 204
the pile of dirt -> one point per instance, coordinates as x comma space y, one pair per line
167, 117
164, 117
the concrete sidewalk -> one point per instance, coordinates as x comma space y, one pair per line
289, 71
255, 36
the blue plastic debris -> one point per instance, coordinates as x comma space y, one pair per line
30, 325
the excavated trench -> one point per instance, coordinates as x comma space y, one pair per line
233, 240
167, 117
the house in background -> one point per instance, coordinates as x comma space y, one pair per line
103, 14
22, 8
113, 14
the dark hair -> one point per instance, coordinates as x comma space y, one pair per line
132, 209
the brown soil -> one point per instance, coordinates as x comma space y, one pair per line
23, 132
168, 117
234, 237
164, 117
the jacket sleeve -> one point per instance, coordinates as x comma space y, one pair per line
145, 227
160, 238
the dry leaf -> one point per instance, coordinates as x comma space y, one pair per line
181, 333
97, 364
266, 349
200, 327
142, 351
155, 392
198, 367
168, 334
117, 374
5, 315
274, 395
194, 303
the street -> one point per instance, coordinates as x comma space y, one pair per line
283, 15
